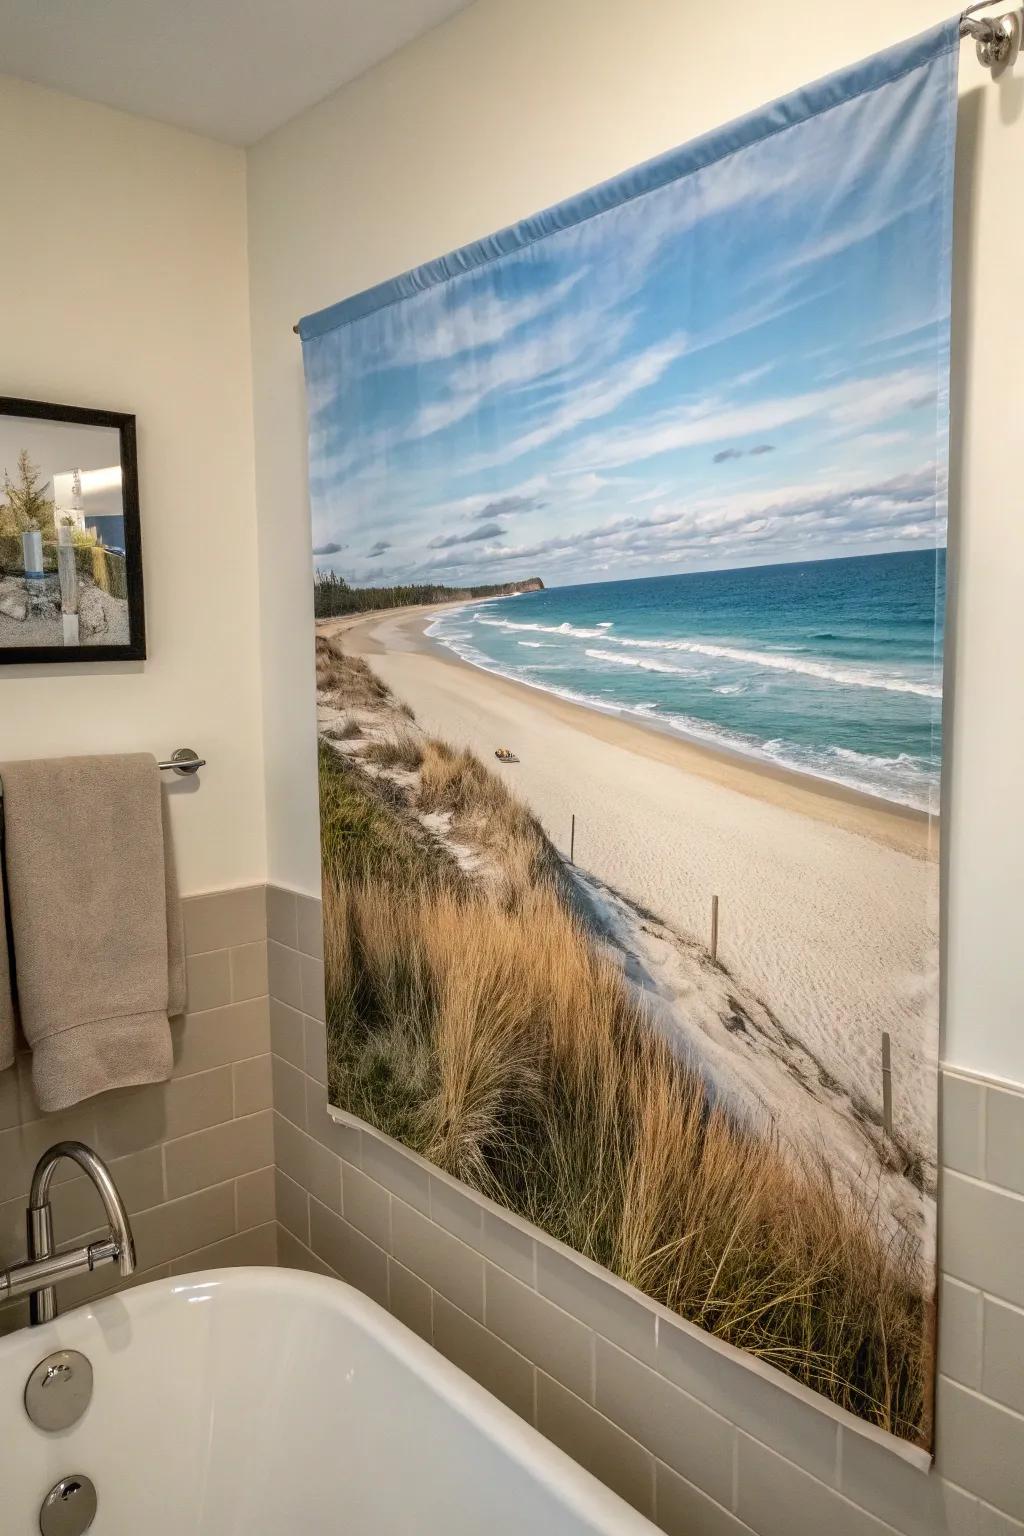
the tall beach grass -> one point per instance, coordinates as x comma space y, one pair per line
479, 1023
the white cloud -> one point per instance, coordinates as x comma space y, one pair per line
854, 404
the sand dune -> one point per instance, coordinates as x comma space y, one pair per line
827, 900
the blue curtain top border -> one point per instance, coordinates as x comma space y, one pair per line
810, 101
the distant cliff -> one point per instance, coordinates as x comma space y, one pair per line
333, 596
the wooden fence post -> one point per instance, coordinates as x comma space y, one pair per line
714, 928
886, 1083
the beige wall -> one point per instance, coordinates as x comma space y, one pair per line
515, 104
123, 284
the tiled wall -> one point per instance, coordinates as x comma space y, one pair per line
193, 1157
692, 1435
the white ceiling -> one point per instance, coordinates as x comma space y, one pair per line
231, 69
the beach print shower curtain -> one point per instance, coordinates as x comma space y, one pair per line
629, 535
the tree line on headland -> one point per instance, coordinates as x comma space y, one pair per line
332, 594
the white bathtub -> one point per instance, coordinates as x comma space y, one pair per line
267, 1402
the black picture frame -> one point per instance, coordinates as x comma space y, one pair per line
124, 425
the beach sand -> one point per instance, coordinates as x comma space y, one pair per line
828, 899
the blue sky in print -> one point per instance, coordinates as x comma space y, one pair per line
746, 366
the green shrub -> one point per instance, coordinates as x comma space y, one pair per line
12, 562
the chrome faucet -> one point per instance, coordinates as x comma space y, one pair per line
43, 1267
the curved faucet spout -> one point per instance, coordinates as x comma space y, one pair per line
41, 1266
97, 1171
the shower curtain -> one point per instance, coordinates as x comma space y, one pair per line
629, 536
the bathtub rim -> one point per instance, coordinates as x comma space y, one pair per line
564, 1479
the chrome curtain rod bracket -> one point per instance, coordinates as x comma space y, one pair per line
997, 38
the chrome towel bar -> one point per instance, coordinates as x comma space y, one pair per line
183, 760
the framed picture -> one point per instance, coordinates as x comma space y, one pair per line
70, 538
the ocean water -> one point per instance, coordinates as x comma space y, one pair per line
829, 667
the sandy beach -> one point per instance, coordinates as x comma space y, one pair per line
826, 896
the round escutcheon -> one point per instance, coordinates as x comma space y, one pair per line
69, 1508
59, 1389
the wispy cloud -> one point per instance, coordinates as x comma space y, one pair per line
472, 536
856, 404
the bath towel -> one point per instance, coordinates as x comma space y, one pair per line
96, 923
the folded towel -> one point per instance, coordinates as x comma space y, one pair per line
95, 920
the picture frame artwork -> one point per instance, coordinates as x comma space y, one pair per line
71, 585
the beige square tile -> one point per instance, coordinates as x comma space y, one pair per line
476, 1351
324, 1175
316, 1050
310, 927
982, 1237
980, 1446
598, 1445
224, 918
134, 1118
222, 1035
596, 1300
248, 971
257, 1246
11, 1110
917, 1503
254, 1089
348, 1252
289, 1092
398, 1170
410, 1299
551, 1338
960, 1312
283, 974
311, 981
457, 1210
366, 1205
962, 1125
447, 1265
287, 1033
281, 921
675, 1427
728, 1382
777, 1499
254, 1198
23, 1145
292, 1204
1004, 1147
509, 1247
340, 1137
1003, 1369
222, 1152
165, 1232
291, 1254
292, 1150
682, 1510
208, 978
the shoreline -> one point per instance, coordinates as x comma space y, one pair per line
896, 826
827, 901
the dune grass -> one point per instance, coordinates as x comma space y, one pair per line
485, 1029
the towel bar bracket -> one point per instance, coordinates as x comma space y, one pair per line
184, 761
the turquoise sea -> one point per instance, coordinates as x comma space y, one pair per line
829, 667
